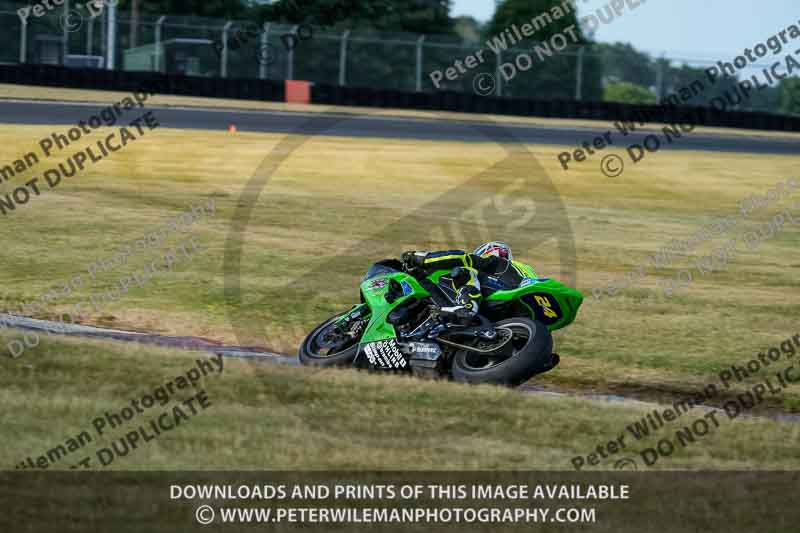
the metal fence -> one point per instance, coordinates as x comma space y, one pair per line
240, 49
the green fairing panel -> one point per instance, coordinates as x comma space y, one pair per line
374, 291
549, 301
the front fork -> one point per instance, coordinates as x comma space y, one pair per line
357, 312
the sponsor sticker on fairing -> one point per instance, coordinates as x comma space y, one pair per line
377, 284
407, 289
385, 354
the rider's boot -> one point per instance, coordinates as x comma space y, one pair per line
468, 294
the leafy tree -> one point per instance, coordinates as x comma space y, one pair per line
622, 62
201, 8
628, 93
523, 11
469, 29
790, 96
679, 80
556, 76
768, 100
415, 16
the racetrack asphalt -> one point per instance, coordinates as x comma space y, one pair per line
70, 113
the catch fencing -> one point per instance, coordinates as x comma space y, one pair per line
215, 48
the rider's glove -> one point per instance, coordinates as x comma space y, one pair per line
414, 259
457, 314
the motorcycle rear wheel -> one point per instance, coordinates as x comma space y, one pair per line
529, 352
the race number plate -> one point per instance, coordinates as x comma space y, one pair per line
545, 307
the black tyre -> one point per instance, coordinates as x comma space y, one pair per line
322, 347
529, 352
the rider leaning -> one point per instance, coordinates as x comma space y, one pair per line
491, 263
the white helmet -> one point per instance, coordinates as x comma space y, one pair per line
496, 248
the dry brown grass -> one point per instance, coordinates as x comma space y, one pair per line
363, 198
269, 417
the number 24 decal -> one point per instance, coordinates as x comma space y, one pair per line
546, 305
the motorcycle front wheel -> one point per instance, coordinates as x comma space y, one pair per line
327, 346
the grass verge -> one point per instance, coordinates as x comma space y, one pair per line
262, 416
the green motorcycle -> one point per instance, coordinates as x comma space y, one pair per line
402, 325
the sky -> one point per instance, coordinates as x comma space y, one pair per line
682, 29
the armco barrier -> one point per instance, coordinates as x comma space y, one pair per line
274, 90
113, 80
606, 111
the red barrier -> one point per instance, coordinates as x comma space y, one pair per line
298, 92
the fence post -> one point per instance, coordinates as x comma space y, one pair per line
499, 89
224, 68
290, 55
103, 25
419, 62
262, 64
133, 22
89, 35
159, 23
65, 34
579, 74
343, 59
112, 35
23, 41
659, 79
